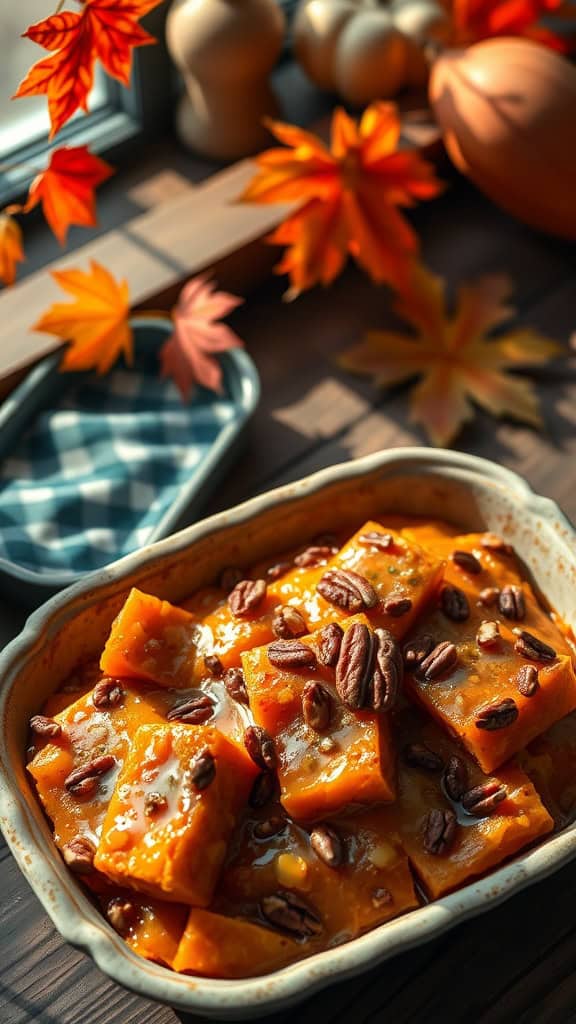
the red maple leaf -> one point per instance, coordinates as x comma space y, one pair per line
104, 30
66, 189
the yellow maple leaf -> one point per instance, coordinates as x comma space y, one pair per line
457, 361
11, 251
95, 324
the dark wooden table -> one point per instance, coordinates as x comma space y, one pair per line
517, 962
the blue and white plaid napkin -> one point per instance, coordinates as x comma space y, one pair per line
90, 479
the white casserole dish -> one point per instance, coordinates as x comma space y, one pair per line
468, 491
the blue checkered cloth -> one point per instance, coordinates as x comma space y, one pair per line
92, 476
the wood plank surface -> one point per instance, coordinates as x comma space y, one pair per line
515, 964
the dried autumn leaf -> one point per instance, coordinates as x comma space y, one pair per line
11, 251
188, 355
348, 197
482, 19
454, 357
95, 324
104, 30
66, 189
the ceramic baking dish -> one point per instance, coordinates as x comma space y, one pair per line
470, 492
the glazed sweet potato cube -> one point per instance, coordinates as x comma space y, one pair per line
173, 810
152, 639
215, 946
483, 836
152, 928
349, 759
550, 762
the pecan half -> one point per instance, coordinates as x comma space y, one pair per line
202, 771
467, 561
488, 596
316, 706
288, 623
154, 803
327, 845
235, 685
511, 602
418, 755
213, 665
288, 912
122, 914
78, 855
329, 643
263, 790
441, 660
439, 831
527, 680
192, 710
375, 539
530, 646
481, 800
492, 542
498, 715
488, 634
269, 828
46, 727
260, 747
291, 654
347, 590
246, 598
108, 693
274, 572
229, 578
369, 669
315, 555
415, 651
455, 778
397, 606
381, 898
454, 604
84, 781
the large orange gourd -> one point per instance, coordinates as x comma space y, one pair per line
507, 109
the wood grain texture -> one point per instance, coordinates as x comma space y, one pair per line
515, 964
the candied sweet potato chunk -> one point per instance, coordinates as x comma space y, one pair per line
350, 761
550, 761
152, 928
479, 842
152, 639
224, 947
172, 811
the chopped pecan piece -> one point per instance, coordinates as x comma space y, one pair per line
108, 693
498, 715
46, 727
154, 803
492, 542
288, 912
291, 654
213, 665
481, 800
192, 710
415, 651
488, 596
369, 669
488, 634
202, 771
439, 831
375, 539
347, 590
260, 747
84, 781
397, 606
229, 578
455, 778
454, 604
527, 680
236, 685
246, 598
288, 623
122, 914
316, 555
78, 855
316, 706
511, 602
441, 660
263, 789
418, 755
467, 561
530, 646
329, 643
327, 845
269, 828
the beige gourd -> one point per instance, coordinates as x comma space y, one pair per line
364, 50
225, 50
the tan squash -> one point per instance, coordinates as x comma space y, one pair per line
507, 110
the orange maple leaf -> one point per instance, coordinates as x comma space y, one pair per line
454, 357
348, 196
11, 251
483, 19
188, 356
104, 30
66, 189
95, 324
